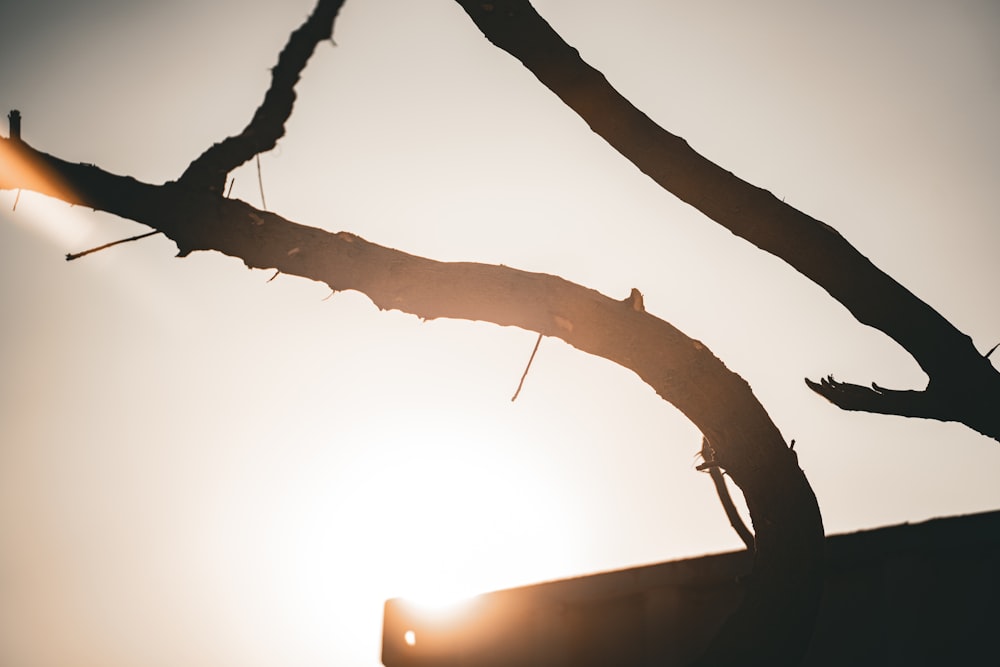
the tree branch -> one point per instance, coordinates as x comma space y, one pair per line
774, 623
209, 170
930, 403
813, 248
728, 506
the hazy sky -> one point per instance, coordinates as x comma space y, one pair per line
201, 467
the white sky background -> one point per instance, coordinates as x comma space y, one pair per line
200, 467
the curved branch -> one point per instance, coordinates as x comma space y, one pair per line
813, 248
209, 170
774, 622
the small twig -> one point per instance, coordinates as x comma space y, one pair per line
260, 182
719, 480
985, 356
71, 256
526, 368
231, 184
17, 198
332, 292
276, 274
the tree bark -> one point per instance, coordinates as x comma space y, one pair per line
774, 623
963, 384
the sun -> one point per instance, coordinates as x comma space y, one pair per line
435, 508
457, 510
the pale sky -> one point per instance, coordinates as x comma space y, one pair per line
201, 467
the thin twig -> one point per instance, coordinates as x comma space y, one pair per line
526, 368
231, 184
260, 182
276, 274
71, 256
17, 198
719, 480
992, 350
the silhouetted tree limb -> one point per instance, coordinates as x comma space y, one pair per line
719, 482
268, 123
963, 385
889, 401
774, 623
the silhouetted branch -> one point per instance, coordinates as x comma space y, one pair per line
268, 123
782, 597
719, 480
813, 248
875, 398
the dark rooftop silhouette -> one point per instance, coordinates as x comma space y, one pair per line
912, 594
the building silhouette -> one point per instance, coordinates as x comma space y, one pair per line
913, 595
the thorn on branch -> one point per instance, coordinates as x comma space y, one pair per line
276, 274
17, 198
992, 350
71, 256
526, 368
229, 191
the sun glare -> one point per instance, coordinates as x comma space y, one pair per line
454, 511
433, 509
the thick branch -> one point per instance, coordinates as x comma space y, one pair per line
813, 248
782, 597
268, 123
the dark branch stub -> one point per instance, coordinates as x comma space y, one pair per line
210, 169
14, 123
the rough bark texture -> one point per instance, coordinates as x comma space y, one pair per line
775, 621
774, 624
963, 384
